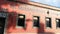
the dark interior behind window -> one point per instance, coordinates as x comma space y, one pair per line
48, 22
36, 21
21, 20
58, 23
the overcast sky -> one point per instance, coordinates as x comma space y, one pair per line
49, 2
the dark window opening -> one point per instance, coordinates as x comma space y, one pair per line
14, 1
2, 24
21, 20
36, 21
48, 22
11, 0
58, 23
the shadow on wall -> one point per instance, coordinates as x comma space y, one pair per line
42, 31
11, 21
47, 33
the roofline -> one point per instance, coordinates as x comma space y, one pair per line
39, 5
44, 6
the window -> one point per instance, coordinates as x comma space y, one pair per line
36, 21
10, 0
14, 0
21, 20
48, 22
58, 23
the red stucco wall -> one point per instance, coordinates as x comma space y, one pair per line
12, 19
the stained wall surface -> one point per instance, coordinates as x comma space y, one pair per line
29, 11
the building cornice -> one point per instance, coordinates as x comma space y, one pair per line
40, 5
44, 6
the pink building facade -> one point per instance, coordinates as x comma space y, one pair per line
25, 17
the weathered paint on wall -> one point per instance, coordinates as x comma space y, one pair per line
13, 9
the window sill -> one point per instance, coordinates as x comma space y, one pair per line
36, 27
19, 27
58, 27
48, 27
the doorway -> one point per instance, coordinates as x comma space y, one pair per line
2, 24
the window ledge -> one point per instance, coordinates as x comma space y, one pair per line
19, 27
35, 27
58, 27
48, 27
